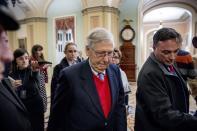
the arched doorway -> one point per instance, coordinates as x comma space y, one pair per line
186, 20
173, 17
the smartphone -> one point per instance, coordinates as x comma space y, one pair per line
44, 62
11, 79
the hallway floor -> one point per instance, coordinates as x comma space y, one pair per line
132, 103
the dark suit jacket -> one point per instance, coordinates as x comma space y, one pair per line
77, 106
56, 72
33, 101
13, 114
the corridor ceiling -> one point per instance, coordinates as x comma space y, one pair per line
38, 8
148, 4
166, 14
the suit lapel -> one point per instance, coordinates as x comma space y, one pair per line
8, 92
90, 87
112, 87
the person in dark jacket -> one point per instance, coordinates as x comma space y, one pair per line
90, 95
70, 51
185, 64
193, 82
13, 114
26, 84
162, 96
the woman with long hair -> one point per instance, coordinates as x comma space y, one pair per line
37, 55
25, 80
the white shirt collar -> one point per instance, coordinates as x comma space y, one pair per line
71, 62
93, 71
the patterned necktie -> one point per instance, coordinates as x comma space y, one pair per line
171, 68
101, 76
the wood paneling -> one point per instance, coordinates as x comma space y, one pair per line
128, 60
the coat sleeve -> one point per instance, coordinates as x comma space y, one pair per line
120, 110
159, 107
54, 81
125, 82
36, 76
61, 105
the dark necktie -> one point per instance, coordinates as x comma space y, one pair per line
171, 69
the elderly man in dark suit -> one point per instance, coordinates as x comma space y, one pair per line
90, 96
13, 114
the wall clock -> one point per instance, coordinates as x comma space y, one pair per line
127, 34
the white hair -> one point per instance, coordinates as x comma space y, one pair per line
98, 35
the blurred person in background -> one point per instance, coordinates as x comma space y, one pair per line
193, 82
37, 55
117, 55
13, 114
70, 51
80, 57
28, 89
185, 65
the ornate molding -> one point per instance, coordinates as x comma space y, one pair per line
94, 3
101, 9
154, 3
33, 19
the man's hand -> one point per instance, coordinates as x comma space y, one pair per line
15, 83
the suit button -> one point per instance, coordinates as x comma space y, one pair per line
105, 123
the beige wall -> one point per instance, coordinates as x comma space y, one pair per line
34, 31
181, 27
37, 34
106, 17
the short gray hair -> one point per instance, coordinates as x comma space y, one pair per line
99, 35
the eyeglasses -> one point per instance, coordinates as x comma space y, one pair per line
103, 53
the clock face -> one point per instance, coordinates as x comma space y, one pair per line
127, 34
